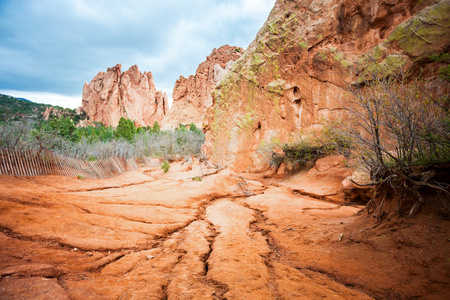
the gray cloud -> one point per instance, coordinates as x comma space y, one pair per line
54, 46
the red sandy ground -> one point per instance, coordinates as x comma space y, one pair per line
153, 235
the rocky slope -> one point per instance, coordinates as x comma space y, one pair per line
192, 95
131, 94
297, 69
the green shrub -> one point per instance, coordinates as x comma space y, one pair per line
165, 166
64, 127
156, 128
444, 72
303, 150
125, 129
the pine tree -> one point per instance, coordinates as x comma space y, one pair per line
125, 129
156, 127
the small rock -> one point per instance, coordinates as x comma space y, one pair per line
281, 171
150, 257
341, 236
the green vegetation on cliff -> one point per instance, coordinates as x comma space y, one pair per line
12, 108
422, 35
261, 61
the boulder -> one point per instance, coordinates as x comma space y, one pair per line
323, 180
357, 193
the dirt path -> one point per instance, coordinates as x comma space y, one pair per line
150, 235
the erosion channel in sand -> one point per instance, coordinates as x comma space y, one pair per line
153, 235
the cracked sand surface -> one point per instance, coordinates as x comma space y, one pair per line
164, 236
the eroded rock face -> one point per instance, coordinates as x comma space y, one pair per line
192, 95
131, 94
295, 73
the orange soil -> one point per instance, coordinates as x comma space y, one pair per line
153, 235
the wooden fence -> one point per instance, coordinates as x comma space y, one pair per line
33, 163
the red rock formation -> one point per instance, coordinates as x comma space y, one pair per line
296, 70
131, 94
52, 111
193, 94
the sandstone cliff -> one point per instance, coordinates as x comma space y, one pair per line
298, 67
131, 94
193, 94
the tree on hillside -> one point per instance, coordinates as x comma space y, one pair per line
106, 134
156, 127
125, 129
64, 127
181, 127
193, 128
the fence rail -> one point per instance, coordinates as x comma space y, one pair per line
33, 163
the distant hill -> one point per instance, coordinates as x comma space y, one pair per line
24, 99
12, 108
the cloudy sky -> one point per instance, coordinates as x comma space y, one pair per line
49, 48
